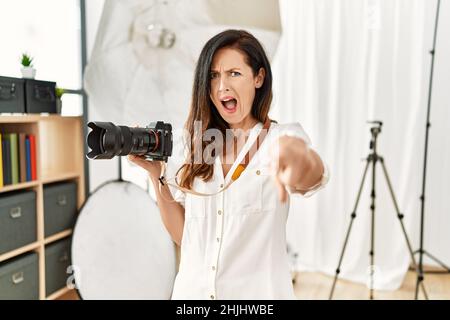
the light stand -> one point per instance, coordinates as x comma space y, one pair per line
421, 251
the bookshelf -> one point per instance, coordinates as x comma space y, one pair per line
59, 158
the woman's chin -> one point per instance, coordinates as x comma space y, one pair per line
232, 119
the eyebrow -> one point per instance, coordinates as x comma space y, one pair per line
232, 69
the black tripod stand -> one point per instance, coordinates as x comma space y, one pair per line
421, 251
373, 158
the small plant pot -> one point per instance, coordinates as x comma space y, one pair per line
58, 105
28, 72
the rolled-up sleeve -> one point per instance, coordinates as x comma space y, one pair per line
320, 185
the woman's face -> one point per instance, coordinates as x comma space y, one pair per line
233, 86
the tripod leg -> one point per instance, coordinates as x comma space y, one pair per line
442, 264
408, 243
353, 216
372, 224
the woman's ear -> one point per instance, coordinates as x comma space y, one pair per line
259, 79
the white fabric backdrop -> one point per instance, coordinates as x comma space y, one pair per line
339, 64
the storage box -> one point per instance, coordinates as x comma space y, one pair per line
40, 96
12, 91
17, 220
60, 207
19, 278
57, 260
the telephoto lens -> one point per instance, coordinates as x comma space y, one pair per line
107, 140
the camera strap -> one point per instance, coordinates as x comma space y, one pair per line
237, 171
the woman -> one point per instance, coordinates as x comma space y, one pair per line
233, 243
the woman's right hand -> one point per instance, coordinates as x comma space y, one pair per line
154, 168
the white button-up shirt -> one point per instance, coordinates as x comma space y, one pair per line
234, 243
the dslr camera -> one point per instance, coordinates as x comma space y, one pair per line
107, 140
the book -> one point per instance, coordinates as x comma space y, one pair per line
6, 160
33, 156
1, 161
28, 158
14, 158
22, 158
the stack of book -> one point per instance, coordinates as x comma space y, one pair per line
17, 158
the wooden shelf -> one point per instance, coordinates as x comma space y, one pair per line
29, 118
49, 177
59, 157
58, 236
58, 293
19, 251
19, 186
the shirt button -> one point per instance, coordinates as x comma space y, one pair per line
212, 297
258, 172
221, 185
219, 212
218, 239
213, 268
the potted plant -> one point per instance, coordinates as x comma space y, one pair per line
58, 93
27, 67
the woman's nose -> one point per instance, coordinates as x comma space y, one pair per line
223, 84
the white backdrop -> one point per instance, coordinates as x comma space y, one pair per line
339, 64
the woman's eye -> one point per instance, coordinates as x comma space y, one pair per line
235, 73
213, 75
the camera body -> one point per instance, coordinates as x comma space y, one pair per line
164, 147
107, 140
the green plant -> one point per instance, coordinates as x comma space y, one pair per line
59, 92
26, 60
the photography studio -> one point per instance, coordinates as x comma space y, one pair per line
224, 150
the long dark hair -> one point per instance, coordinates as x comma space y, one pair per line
203, 109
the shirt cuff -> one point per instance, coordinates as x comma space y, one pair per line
321, 184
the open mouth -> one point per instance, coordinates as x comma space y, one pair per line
229, 104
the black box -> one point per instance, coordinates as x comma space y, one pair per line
57, 260
17, 220
40, 96
60, 207
19, 278
12, 95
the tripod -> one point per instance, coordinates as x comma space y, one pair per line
421, 251
372, 159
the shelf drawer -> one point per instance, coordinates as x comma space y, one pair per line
57, 259
12, 92
17, 220
19, 278
60, 207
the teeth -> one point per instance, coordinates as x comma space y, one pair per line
228, 99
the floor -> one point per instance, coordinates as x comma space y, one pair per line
311, 285
317, 286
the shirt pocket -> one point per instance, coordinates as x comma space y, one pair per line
250, 193
269, 191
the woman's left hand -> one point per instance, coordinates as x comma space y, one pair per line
294, 165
